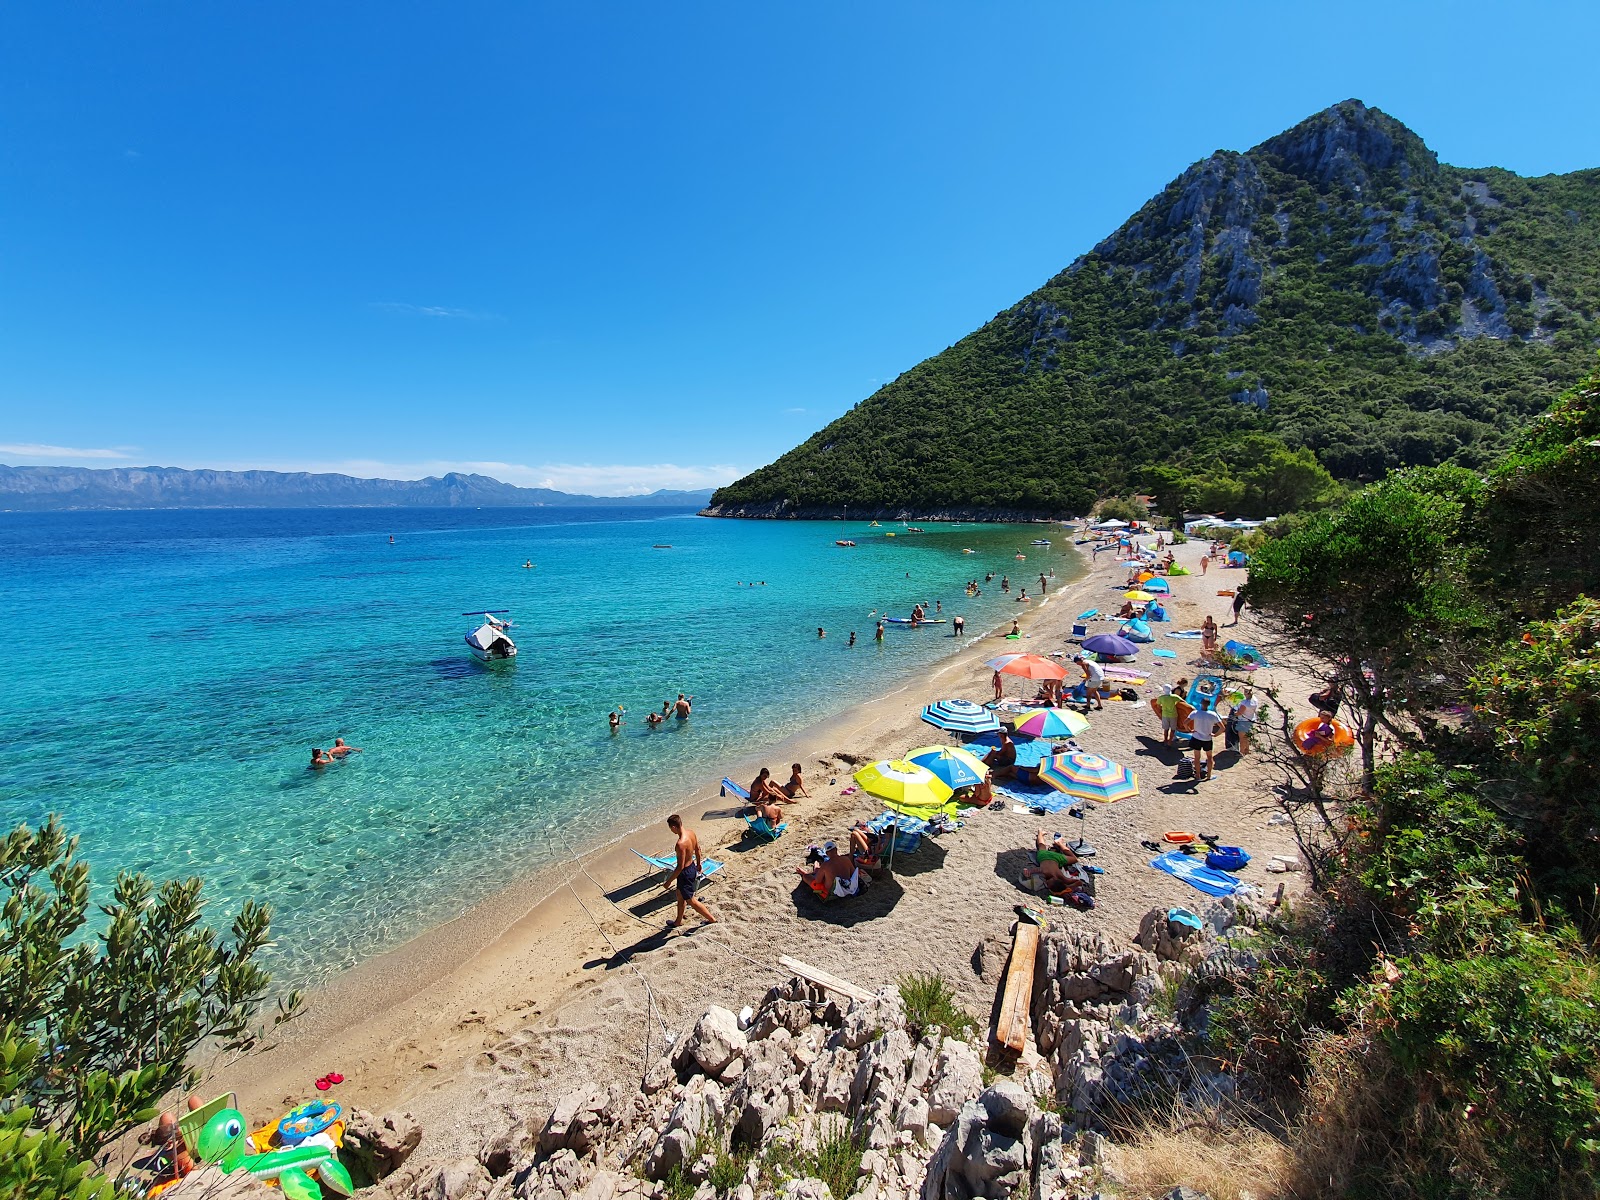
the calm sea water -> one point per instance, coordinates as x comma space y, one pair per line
166, 674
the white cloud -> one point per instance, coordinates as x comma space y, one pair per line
796, 411
590, 479
434, 310
56, 454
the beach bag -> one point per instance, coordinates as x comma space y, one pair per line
1129, 693
1228, 858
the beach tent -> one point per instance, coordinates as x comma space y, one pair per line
1112, 524
1238, 558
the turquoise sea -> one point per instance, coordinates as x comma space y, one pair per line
166, 674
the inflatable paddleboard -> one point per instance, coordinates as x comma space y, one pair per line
919, 624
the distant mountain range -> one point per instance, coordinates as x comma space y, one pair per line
36, 489
1335, 302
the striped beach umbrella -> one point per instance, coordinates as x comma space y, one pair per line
955, 767
960, 716
905, 787
1027, 666
1089, 777
1051, 723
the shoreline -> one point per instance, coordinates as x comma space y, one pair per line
463, 955
568, 977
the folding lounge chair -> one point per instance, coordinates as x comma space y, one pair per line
666, 862
757, 826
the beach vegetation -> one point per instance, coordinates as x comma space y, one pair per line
101, 1020
931, 1007
1431, 1017
837, 1157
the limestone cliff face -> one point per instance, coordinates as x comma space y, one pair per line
1397, 311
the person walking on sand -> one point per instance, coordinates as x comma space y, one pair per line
1238, 603
1205, 561
686, 875
1242, 719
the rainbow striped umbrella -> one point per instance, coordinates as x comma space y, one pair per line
1089, 777
1051, 723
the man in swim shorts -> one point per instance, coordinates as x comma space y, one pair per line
1002, 760
340, 749
1203, 726
681, 708
686, 875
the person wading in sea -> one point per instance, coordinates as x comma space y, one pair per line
686, 875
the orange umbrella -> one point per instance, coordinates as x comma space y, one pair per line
1031, 666
1146, 576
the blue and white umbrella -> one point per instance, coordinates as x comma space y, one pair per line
960, 716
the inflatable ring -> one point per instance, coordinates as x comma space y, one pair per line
307, 1121
1343, 740
1178, 837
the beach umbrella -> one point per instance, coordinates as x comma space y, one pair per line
1051, 723
1001, 660
1089, 777
955, 767
1137, 595
1110, 643
905, 787
1029, 666
960, 716
1146, 576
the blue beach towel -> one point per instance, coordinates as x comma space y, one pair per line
1196, 874
1087, 613
1185, 633
1165, 653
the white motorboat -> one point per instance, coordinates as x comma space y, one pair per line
1039, 542
490, 642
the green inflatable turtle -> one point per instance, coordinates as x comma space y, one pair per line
221, 1140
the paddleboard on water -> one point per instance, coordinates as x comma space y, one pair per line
908, 621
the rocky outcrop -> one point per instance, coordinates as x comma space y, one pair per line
742, 1110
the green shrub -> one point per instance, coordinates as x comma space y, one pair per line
931, 1006
837, 1158
727, 1172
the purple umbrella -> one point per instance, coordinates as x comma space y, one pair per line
1110, 643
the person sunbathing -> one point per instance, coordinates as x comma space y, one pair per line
796, 785
764, 791
1323, 735
1126, 611
866, 846
1055, 859
1002, 760
834, 873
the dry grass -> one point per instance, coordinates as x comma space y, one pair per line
1238, 1163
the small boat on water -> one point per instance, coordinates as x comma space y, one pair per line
915, 529
843, 542
662, 546
1039, 542
874, 525
490, 642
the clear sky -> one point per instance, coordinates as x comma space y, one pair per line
610, 247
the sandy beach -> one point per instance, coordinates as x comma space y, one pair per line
571, 974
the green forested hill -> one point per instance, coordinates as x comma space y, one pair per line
1333, 300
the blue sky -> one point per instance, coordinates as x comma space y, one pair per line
614, 247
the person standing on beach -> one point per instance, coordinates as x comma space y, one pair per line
1238, 603
686, 875
1203, 726
999, 687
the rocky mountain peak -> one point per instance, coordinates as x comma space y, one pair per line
1347, 143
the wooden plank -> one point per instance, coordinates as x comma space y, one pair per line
1011, 1030
822, 979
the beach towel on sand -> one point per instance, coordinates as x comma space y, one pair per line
1035, 795
1196, 874
1185, 633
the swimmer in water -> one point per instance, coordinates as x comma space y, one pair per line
878, 637
527, 565
320, 758
616, 720
340, 749
654, 719
852, 637
820, 632
680, 709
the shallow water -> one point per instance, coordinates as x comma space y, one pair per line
166, 674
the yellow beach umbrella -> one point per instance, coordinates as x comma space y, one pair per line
905, 787
1137, 595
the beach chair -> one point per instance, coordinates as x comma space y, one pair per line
757, 827
663, 863
730, 788
1080, 631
